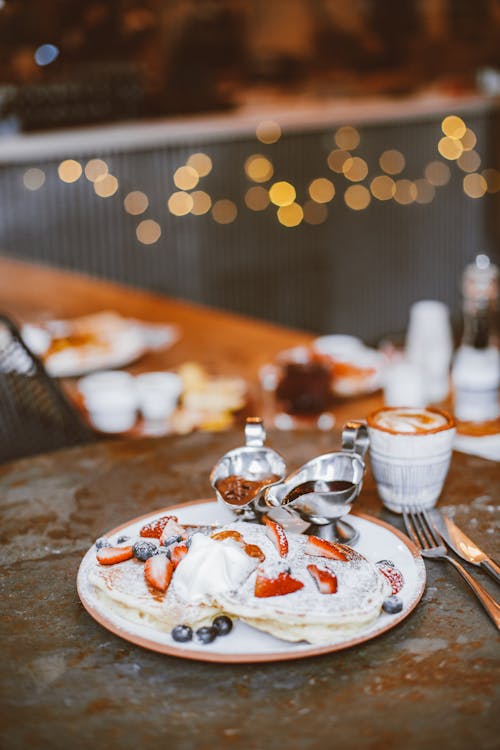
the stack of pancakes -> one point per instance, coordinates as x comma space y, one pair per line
305, 614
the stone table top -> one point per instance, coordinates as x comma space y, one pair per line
67, 682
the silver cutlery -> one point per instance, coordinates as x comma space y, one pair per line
462, 545
432, 546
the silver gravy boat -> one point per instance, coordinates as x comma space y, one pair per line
323, 490
250, 463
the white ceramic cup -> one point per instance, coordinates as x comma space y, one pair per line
410, 467
158, 393
404, 385
429, 345
110, 400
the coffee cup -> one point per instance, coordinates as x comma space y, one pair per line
410, 450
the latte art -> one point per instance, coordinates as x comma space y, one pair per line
410, 421
410, 450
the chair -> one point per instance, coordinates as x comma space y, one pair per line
35, 415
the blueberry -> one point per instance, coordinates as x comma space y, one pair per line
171, 540
389, 563
143, 550
223, 625
122, 539
207, 634
392, 605
102, 542
182, 633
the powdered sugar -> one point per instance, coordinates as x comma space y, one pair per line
361, 589
245, 643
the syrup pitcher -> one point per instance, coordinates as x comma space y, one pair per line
242, 475
251, 481
323, 490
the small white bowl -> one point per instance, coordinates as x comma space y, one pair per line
105, 381
113, 421
110, 399
158, 394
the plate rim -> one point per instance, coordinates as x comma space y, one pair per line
242, 658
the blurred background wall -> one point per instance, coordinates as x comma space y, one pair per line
322, 164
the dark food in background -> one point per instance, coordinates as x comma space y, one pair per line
305, 387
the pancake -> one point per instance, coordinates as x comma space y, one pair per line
124, 590
218, 576
306, 614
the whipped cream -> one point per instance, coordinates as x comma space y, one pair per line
211, 567
410, 421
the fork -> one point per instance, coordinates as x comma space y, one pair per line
422, 531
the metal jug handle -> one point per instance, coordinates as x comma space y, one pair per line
355, 438
255, 434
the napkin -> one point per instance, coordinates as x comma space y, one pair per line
485, 446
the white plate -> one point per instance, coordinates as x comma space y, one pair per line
125, 340
377, 541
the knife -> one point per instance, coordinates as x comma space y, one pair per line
463, 546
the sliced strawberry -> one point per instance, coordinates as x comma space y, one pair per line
172, 529
393, 575
281, 584
112, 555
219, 536
326, 580
177, 553
276, 534
158, 571
155, 528
252, 550
324, 548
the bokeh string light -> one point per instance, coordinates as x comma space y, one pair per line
383, 187
321, 190
290, 215
392, 161
268, 131
315, 213
186, 178
201, 163
224, 211
258, 168
148, 232
136, 202
202, 202
95, 169
347, 138
180, 203
456, 143
106, 186
257, 198
69, 170
33, 178
282, 193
